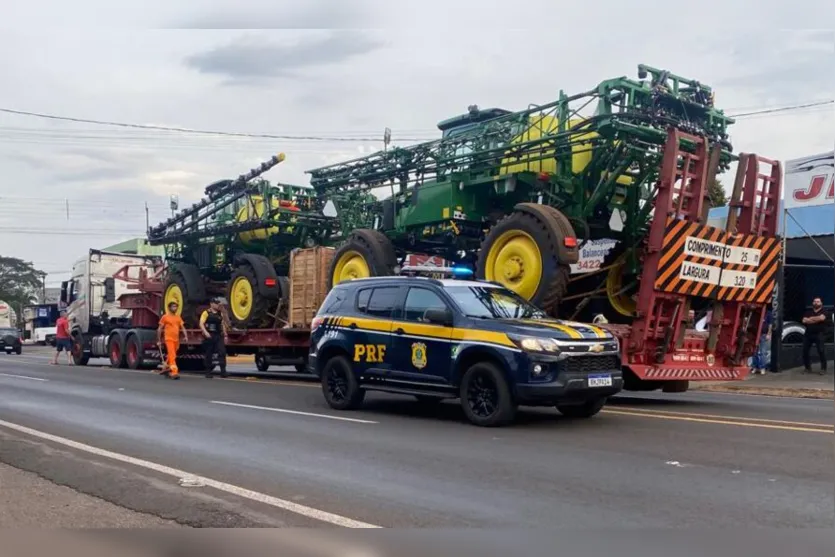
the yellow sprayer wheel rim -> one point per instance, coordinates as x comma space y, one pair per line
622, 302
173, 294
514, 260
241, 298
351, 265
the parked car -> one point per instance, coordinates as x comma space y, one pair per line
10, 341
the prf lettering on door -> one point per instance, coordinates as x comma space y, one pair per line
372, 353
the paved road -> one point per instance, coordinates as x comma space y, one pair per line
274, 454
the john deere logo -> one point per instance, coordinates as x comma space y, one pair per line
419, 355
596, 348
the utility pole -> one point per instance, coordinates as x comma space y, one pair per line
147, 218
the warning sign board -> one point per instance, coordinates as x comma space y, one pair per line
704, 261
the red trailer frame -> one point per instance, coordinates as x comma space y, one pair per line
276, 346
657, 348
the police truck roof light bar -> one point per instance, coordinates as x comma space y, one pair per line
462, 272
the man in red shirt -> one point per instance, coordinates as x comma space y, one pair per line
63, 341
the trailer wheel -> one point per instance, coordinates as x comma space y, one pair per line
134, 353
522, 253
116, 352
176, 290
248, 308
367, 253
261, 363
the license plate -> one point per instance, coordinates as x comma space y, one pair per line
604, 380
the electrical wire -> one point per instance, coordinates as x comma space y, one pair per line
324, 138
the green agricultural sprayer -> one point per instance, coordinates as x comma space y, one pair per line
236, 242
515, 194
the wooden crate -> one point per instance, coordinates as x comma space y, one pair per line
308, 283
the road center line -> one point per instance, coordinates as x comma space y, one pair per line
720, 422
717, 416
23, 377
283, 504
297, 412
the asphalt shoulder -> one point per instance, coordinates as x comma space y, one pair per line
30, 501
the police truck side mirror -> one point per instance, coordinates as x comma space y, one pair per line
109, 290
439, 316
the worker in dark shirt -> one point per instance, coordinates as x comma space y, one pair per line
818, 322
215, 334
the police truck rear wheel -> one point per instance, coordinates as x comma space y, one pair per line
522, 253
486, 397
340, 386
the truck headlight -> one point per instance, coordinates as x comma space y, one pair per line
536, 344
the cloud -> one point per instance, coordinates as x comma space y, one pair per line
253, 59
270, 14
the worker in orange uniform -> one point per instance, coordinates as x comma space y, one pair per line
171, 327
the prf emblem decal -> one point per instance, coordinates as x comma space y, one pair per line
419, 355
596, 348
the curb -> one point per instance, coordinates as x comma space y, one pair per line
767, 391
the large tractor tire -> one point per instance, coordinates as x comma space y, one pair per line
367, 253
522, 252
248, 308
177, 290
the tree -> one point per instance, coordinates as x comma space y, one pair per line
716, 191
20, 281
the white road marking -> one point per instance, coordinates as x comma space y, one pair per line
23, 377
297, 412
302, 510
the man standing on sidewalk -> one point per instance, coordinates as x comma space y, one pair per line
818, 323
63, 341
171, 327
215, 336
762, 359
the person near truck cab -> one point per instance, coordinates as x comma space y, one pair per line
63, 341
762, 358
215, 334
818, 323
171, 328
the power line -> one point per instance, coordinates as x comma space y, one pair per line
187, 130
334, 138
783, 108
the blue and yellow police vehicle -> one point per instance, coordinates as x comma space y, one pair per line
439, 338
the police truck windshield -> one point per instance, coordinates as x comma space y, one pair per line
493, 303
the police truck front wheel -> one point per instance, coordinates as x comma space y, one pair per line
340, 386
486, 397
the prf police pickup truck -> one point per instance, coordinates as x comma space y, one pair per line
450, 338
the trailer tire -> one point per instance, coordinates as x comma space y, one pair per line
248, 307
134, 353
261, 363
116, 351
366, 253
523, 242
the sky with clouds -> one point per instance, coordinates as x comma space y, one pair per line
342, 69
